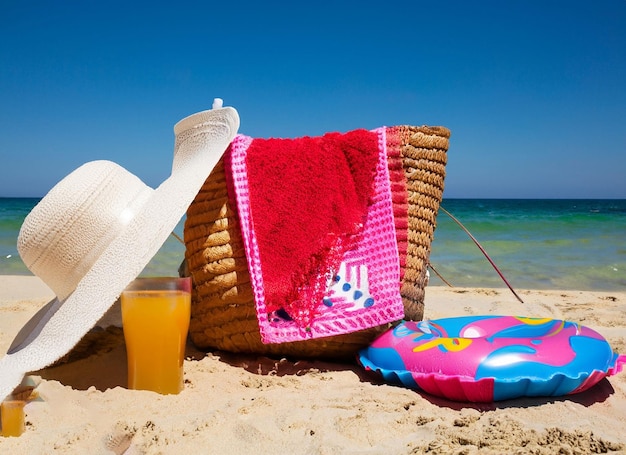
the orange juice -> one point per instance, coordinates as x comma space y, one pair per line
155, 329
12, 417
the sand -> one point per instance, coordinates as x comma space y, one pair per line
236, 404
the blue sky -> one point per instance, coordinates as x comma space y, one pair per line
533, 91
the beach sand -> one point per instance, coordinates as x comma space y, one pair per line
236, 404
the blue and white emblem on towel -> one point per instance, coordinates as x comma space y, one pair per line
349, 288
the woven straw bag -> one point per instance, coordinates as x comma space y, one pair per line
223, 314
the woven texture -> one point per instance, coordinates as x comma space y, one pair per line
223, 310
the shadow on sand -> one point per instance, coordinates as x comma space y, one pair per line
99, 361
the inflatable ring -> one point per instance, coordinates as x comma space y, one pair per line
491, 358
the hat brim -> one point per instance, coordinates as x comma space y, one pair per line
60, 325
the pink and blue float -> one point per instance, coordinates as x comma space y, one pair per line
492, 358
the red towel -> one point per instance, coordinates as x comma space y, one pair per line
338, 277
312, 196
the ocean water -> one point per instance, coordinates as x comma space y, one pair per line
537, 244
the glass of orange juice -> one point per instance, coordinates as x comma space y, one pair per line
155, 318
12, 417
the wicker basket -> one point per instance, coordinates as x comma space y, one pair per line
223, 314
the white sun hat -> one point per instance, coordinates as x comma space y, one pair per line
96, 230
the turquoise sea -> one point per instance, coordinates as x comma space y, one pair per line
537, 244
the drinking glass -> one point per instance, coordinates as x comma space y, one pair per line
12, 417
155, 318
